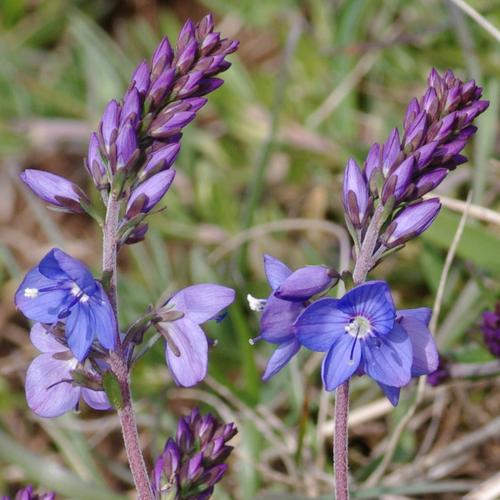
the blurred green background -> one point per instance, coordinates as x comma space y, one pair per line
314, 82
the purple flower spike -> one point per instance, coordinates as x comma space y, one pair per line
146, 196
356, 197
55, 190
186, 346
411, 222
491, 330
62, 289
191, 468
362, 333
51, 390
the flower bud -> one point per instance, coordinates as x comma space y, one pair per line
355, 194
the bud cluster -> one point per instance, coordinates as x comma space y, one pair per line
399, 172
193, 462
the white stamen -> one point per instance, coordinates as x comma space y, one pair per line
256, 304
75, 290
359, 327
31, 293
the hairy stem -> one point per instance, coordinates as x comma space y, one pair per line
117, 359
364, 262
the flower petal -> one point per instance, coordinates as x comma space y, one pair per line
96, 399
422, 314
36, 305
190, 367
276, 323
305, 282
321, 325
373, 301
202, 302
276, 271
45, 398
44, 341
280, 357
80, 330
388, 358
425, 354
341, 362
392, 393
103, 318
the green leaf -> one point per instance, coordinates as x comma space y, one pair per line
112, 389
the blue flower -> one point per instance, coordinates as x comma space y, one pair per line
363, 333
62, 289
290, 292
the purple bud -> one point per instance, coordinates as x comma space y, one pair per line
161, 86
140, 78
109, 123
305, 282
415, 132
440, 375
186, 57
194, 467
411, 113
209, 43
138, 234
205, 26
167, 125
410, 222
443, 128
145, 196
55, 190
162, 58
186, 35
490, 327
430, 103
208, 85
453, 99
94, 164
390, 151
447, 151
131, 110
187, 84
398, 182
372, 160
184, 437
356, 197
467, 115
213, 475
425, 154
160, 159
429, 181
126, 146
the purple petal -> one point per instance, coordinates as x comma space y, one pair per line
80, 330
161, 159
45, 398
355, 193
96, 399
54, 189
140, 77
109, 122
388, 358
372, 160
392, 393
276, 271
321, 325
103, 318
390, 151
430, 180
44, 341
305, 282
131, 107
36, 305
190, 367
422, 314
126, 144
425, 354
280, 357
373, 301
341, 362
276, 323
203, 302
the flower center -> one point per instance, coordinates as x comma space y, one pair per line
77, 292
359, 327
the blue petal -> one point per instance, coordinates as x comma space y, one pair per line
425, 353
103, 318
58, 265
341, 362
373, 301
276, 271
305, 282
46, 393
276, 323
80, 330
44, 341
422, 314
321, 325
202, 302
392, 393
190, 366
96, 399
39, 306
388, 358
280, 357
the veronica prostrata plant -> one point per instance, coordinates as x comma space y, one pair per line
84, 353
362, 332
